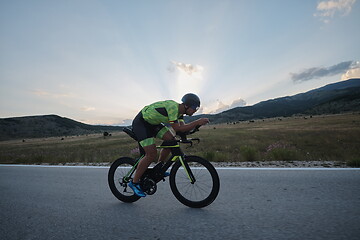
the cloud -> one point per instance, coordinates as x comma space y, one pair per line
126, 122
318, 72
187, 68
87, 109
238, 103
219, 106
353, 72
328, 9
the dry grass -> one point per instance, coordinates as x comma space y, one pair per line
333, 137
85, 149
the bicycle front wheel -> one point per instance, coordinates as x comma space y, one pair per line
203, 191
118, 183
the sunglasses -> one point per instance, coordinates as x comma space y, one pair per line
195, 108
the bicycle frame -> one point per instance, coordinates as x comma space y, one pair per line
195, 193
177, 155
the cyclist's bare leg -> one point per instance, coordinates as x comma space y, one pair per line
165, 152
150, 156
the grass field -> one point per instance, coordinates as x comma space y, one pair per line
317, 138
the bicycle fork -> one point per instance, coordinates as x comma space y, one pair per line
186, 167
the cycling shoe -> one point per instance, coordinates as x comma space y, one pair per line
137, 189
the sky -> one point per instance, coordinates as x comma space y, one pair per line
101, 61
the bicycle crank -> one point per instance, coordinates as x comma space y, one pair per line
149, 186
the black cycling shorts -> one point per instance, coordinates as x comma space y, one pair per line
145, 132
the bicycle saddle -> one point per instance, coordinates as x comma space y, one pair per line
130, 132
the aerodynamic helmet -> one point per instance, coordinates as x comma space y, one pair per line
191, 100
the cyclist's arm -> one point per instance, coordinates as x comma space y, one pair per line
182, 127
181, 122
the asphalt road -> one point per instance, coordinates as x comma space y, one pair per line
76, 203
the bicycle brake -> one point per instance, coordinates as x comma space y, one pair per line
187, 141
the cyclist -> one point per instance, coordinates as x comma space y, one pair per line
149, 123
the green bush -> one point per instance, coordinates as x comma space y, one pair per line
355, 162
215, 156
249, 154
282, 154
210, 156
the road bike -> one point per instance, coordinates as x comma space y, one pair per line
193, 180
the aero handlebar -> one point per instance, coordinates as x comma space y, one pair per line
183, 136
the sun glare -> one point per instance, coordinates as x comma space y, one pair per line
189, 78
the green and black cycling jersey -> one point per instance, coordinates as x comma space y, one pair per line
162, 112
149, 123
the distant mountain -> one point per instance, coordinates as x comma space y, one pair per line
333, 98
47, 126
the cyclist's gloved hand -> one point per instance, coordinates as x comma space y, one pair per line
203, 121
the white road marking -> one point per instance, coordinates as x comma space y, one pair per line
218, 168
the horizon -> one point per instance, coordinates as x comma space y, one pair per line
100, 62
129, 123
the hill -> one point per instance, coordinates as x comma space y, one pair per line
333, 98
47, 126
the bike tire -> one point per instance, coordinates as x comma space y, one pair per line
117, 171
206, 188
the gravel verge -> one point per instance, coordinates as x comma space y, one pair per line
265, 164
284, 164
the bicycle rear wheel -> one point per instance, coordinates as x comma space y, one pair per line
118, 185
203, 191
